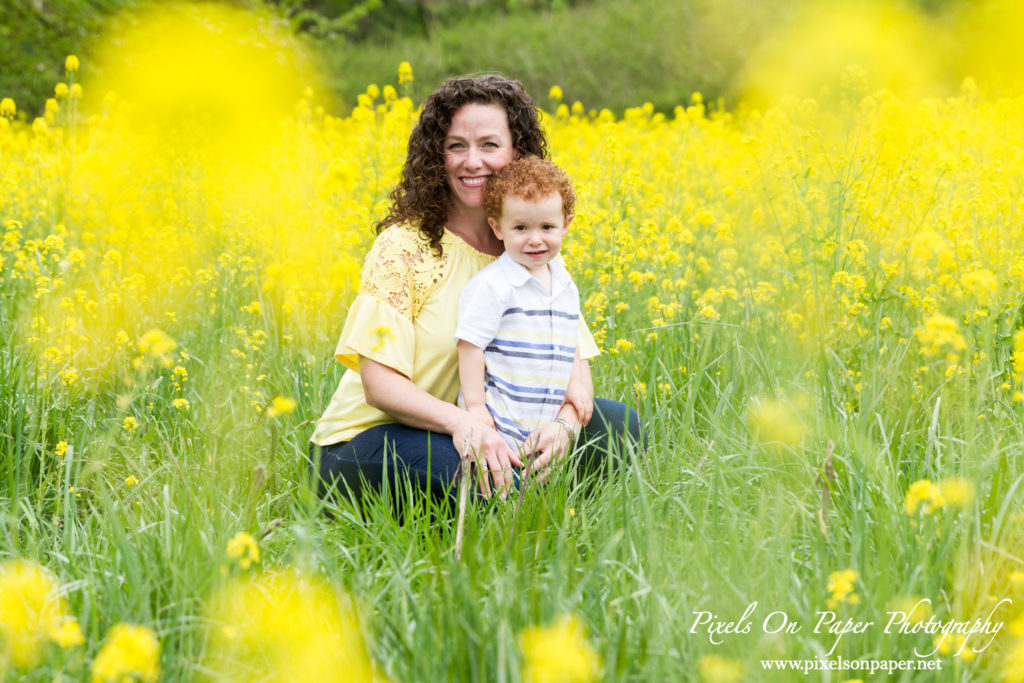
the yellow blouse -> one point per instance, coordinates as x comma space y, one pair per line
404, 316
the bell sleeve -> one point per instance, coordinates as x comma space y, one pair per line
379, 323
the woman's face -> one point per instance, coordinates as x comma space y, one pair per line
478, 144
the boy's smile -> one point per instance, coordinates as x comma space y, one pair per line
532, 231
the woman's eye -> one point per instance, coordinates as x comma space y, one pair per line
454, 145
490, 144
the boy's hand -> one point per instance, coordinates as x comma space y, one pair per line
580, 391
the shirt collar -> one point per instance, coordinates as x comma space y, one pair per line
518, 275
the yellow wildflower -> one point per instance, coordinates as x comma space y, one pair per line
303, 630
71, 63
718, 669
956, 491
156, 343
841, 588
923, 495
129, 652
939, 333
280, 406
32, 612
130, 424
131, 480
243, 548
559, 653
181, 404
61, 90
773, 421
7, 108
916, 609
555, 93
404, 73
1012, 669
61, 448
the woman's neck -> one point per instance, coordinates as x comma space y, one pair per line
471, 225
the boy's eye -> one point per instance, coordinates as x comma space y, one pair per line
548, 227
519, 227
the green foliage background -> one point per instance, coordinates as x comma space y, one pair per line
605, 53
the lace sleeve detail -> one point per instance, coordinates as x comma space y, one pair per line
400, 270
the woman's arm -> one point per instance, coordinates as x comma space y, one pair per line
390, 391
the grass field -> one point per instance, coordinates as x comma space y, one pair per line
815, 305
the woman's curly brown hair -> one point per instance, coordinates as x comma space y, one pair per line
421, 198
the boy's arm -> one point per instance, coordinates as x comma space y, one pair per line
580, 391
471, 376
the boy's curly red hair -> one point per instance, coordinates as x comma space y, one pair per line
530, 178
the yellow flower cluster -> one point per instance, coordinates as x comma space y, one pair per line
718, 669
32, 612
926, 497
841, 588
129, 652
286, 627
558, 653
243, 549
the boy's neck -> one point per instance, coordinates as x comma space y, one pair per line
543, 274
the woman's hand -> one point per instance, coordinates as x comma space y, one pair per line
546, 444
477, 440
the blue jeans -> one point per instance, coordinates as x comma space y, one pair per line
391, 454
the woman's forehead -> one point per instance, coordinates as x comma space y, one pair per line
477, 119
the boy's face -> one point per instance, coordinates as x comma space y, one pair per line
531, 230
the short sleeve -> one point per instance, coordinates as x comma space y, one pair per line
379, 322
374, 329
585, 343
389, 270
479, 313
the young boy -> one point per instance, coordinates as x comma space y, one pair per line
519, 316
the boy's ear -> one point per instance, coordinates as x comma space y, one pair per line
495, 227
568, 220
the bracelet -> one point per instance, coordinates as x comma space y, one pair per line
566, 426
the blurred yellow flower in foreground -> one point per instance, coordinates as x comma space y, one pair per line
1012, 669
156, 343
773, 421
71, 63
285, 627
915, 607
129, 653
957, 491
32, 612
718, 669
559, 653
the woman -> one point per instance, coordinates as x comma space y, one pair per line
394, 414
